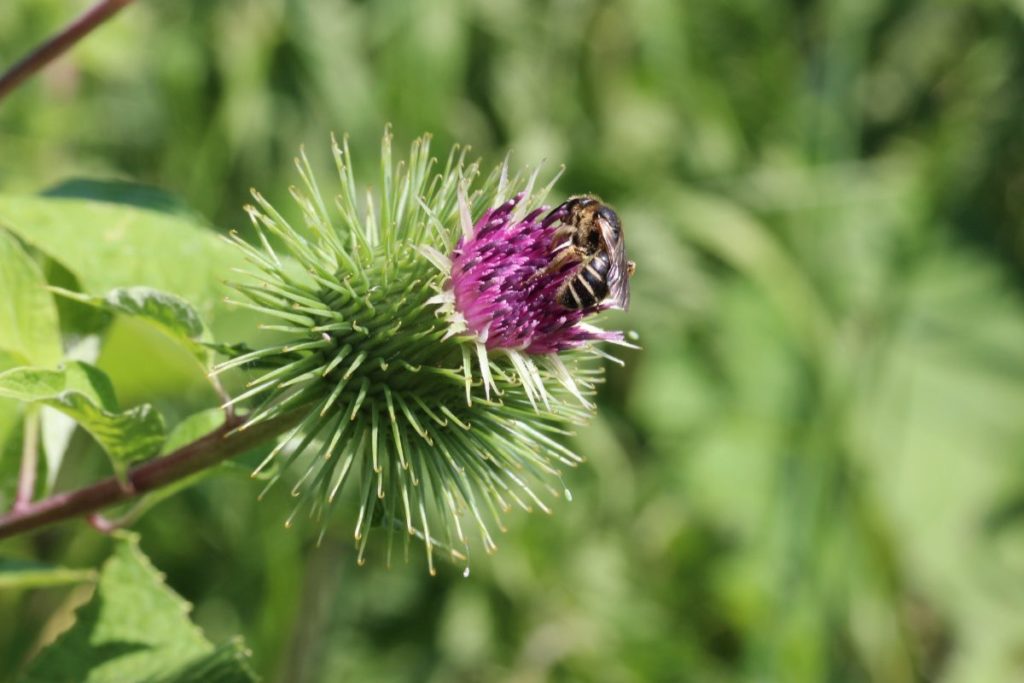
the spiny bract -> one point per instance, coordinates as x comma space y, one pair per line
438, 374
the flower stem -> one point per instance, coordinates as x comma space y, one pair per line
29, 461
59, 43
226, 441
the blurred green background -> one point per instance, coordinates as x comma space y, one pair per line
814, 469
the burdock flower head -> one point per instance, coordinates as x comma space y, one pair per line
503, 289
433, 366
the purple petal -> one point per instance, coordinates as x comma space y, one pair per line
502, 289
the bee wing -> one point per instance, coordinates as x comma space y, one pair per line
618, 266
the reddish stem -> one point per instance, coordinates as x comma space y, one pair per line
226, 441
59, 43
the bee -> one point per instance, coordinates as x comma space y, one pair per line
594, 234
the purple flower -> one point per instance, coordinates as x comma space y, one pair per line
504, 292
501, 293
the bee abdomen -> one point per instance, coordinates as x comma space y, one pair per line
589, 286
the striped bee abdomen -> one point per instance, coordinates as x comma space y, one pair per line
589, 286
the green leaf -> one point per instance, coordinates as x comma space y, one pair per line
11, 434
76, 321
136, 629
122, 192
229, 663
11, 437
107, 245
56, 430
84, 393
29, 329
168, 312
193, 427
21, 574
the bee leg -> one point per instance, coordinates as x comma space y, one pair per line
567, 254
630, 268
561, 232
557, 262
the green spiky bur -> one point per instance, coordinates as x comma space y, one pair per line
432, 434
